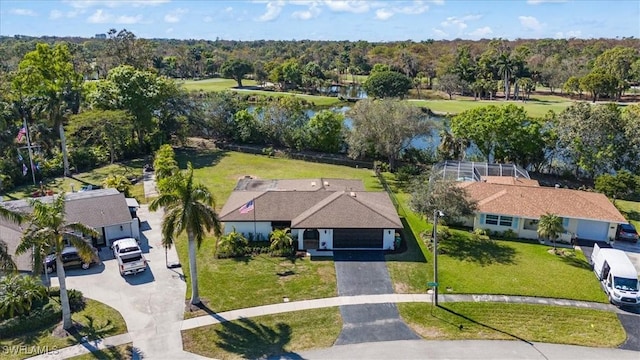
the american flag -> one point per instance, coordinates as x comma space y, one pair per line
21, 133
247, 208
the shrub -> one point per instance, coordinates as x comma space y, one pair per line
231, 245
480, 235
47, 315
509, 234
19, 295
77, 302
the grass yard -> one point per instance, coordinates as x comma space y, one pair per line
98, 321
93, 177
219, 84
630, 210
538, 106
120, 352
266, 336
487, 267
228, 284
538, 323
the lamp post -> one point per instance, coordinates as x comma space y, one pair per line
436, 214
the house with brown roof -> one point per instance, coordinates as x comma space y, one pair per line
517, 204
321, 213
105, 210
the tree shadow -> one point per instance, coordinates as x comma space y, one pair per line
252, 340
631, 214
573, 260
199, 158
412, 251
482, 252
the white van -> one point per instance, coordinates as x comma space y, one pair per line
617, 275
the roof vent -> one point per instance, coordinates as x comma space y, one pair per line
326, 183
352, 194
313, 183
557, 186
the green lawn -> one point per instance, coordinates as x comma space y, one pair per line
538, 106
219, 84
536, 323
488, 267
120, 352
227, 284
98, 321
630, 210
266, 336
93, 177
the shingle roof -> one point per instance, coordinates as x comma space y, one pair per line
534, 201
508, 180
325, 205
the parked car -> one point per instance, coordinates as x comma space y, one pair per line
627, 232
70, 259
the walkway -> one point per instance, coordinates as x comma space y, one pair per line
365, 273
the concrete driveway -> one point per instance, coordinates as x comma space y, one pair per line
152, 303
365, 273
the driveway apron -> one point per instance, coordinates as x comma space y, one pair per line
365, 273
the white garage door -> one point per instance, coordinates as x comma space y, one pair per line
593, 230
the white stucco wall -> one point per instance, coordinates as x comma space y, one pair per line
388, 239
326, 237
246, 228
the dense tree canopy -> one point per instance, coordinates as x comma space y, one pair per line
387, 84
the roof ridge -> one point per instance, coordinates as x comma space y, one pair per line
318, 206
369, 207
581, 193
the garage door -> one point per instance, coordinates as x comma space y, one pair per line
357, 238
592, 230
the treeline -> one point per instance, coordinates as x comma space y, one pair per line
597, 67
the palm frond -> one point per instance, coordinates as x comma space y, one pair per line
6, 261
10, 215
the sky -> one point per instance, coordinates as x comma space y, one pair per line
369, 20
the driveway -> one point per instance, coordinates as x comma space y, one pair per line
152, 303
365, 273
628, 316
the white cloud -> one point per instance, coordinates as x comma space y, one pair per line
99, 17
569, 34
383, 14
124, 19
175, 15
418, 7
310, 13
169, 30
459, 22
84, 4
480, 32
23, 12
439, 33
274, 8
530, 23
207, 19
55, 14
537, 2
355, 7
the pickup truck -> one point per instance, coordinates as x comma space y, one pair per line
129, 256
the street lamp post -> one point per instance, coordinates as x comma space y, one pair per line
436, 214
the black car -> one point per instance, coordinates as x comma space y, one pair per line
627, 232
70, 259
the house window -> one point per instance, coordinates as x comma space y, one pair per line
491, 220
506, 221
530, 224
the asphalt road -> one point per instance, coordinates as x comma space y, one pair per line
365, 273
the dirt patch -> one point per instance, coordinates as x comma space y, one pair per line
429, 332
401, 288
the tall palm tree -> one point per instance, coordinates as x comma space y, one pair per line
188, 207
505, 66
550, 227
6, 262
46, 234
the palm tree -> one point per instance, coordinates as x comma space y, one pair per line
505, 66
550, 227
281, 240
6, 262
19, 293
46, 234
188, 207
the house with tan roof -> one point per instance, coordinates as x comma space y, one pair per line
321, 213
105, 210
517, 205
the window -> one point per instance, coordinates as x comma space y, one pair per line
492, 219
506, 221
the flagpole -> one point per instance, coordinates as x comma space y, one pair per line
33, 172
254, 220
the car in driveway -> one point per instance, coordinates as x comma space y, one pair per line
70, 259
627, 232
